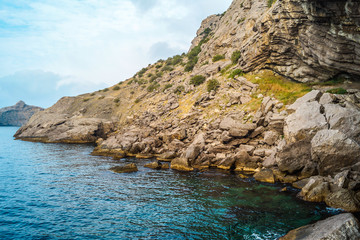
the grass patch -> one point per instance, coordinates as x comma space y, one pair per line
197, 80
218, 58
270, 2
167, 86
283, 89
235, 73
235, 56
212, 84
153, 86
179, 89
337, 91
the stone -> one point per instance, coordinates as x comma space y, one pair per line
153, 165
166, 156
227, 163
265, 175
241, 159
248, 148
304, 122
342, 226
192, 152
181, 164
257, 132
345, 119
316, 190
342, 179
237, 132
327, 98
270, 137
293, 157
344, 199
129, 168
259, 152
312, 96
165, 166
301, 183
333, 151
269, 161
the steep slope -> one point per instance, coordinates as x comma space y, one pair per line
216, 106
18, 114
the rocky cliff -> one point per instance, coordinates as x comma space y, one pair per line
231, 102
18, 114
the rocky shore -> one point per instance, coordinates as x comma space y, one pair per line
231, 103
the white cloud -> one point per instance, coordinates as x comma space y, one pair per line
96, 41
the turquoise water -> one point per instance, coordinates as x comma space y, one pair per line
59, 191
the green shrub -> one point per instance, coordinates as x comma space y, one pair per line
175, 60
270, 2
167, 68
179, 89
93, 94
236, 72
212, 84
197, 80
116, 88
101, 97
153, 78
190, 64
137, 100
158, 66
337, 91
235, 56
86, 99
141, 72
153, 86
116, 100
132, 92
241, 20
218, 58
105, 90
167, 86
149, 75
130, 82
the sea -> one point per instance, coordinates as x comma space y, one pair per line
61, 191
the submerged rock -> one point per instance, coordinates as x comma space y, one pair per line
340, 227
125, 169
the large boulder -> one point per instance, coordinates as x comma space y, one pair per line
316, 190
343, 226
304, 122
345, 119
181, 164
294, 157
344, 199
125, 168
265, 175
333, 150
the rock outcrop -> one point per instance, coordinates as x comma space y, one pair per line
216, 107
343, 226
302, 39
18, 114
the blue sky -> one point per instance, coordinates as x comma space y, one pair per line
50, 49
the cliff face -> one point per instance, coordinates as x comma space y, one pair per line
18, 114
201, 110
305, 40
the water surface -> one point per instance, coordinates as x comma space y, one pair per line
59, 191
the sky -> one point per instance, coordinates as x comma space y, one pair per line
50, 49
